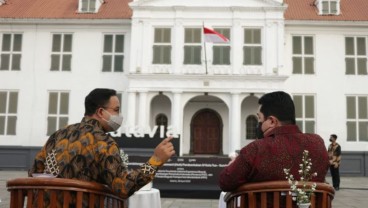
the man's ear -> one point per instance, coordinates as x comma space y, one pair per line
99, 112
274, 121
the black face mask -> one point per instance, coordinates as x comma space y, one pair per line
331, 140
259, 131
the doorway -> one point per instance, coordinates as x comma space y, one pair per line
206, 132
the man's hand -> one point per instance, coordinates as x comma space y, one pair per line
162, 152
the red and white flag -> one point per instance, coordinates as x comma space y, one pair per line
213, 36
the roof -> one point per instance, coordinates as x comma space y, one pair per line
63, 9
351, 10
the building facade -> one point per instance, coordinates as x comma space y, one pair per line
154, 54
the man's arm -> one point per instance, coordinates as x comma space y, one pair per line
338, 150
125, 183
237, 172
39, 163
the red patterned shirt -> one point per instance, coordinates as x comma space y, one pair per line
265, 159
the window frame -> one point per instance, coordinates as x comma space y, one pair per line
222, 46
253, 46
89, 7
251, 131
329, 10
62, 53
113, 53
356, 70
11, 53
58, 115
303, 55
7, 114
164, 117
163, 45
356, 120
304, 119
194, 44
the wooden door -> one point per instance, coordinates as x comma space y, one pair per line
206, 134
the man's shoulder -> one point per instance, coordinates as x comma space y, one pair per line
254, 145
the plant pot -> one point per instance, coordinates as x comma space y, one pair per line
304, 205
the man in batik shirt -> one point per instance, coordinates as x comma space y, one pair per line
85, 151
281, 146
334, 154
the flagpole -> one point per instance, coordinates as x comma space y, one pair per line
204, 45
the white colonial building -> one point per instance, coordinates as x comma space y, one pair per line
53, 53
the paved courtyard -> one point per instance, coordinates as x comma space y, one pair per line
353, 194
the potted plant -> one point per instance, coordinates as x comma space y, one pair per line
302, 193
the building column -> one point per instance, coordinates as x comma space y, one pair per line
234, 118
177, 47
177, 117
236, 41
142, 111
131, 111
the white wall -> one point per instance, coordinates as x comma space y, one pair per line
35, 80
329, 84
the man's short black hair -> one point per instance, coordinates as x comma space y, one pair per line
334, 136
278, 104
97, 98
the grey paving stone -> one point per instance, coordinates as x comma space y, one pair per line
353, 194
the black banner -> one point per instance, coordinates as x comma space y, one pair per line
186, 173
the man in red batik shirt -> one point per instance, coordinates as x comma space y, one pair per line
280, 146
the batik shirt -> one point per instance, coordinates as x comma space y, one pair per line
85, 152
334, 154
265, 159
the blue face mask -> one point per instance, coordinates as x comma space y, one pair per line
114, 121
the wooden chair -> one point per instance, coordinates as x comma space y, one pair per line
275, 194
28, 189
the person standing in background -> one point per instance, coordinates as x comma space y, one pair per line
334, 155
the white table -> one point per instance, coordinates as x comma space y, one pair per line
222, 203
141, 199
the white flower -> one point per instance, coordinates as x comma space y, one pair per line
302, 194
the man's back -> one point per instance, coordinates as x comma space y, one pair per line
265, 159
74, 150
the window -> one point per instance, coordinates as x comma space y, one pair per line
88, 6
251, 127
305, 113
11, 54
303, 55
192, 46
120, 97
113, 53
162, 46
329, 6
61, 53
357, 118
161, 120
8, 112
356, 55
221, 51
117, 133
58, 111
252, 49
